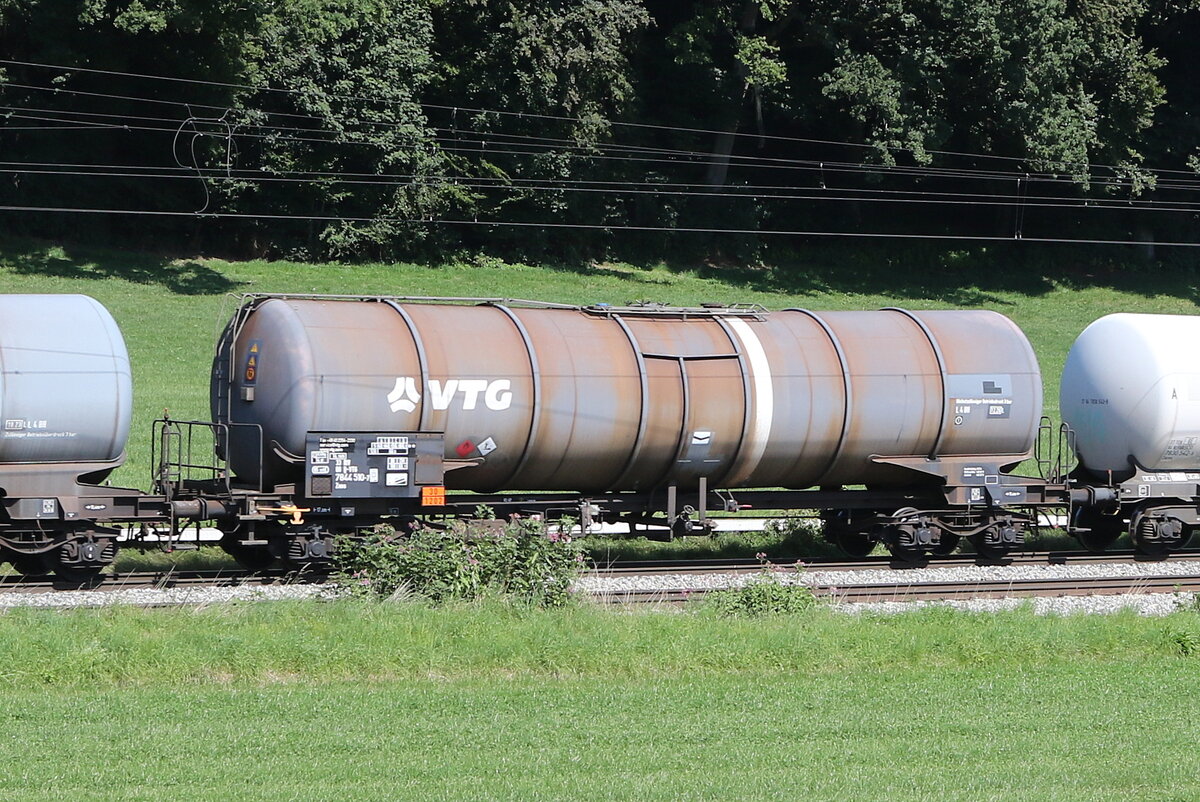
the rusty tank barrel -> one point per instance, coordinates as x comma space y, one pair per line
547, 397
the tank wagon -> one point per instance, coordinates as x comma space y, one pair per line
1130, 392
65, 401
900, 425
332, 414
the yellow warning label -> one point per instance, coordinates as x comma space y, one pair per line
251, 371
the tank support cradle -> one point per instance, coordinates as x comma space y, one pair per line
680, 522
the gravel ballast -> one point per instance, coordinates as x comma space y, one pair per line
884, 576
1140, 603
1148, 604
154, 597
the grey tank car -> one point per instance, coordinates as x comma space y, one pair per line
358, 407
597, 399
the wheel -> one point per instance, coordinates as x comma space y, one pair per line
311, 553
906, 554
994, 549
947, 545
1188, 531
1154, 549
1157, 537
1102, 530
29, 564
903, 549
855, 544
916, 537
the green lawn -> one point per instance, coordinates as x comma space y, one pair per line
171, 310
975, 735
343, 701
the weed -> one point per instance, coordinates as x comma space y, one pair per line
765, 594
1185, 642
521, 560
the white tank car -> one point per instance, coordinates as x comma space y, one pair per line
1131, 391
65, 388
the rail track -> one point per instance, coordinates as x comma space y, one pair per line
905, 587
154, 580
941, 591
232, 576
751, 565
914, 584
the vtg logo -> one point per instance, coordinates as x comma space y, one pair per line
405, 396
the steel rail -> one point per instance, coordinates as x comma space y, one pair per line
898, 589
16, 583
941, 591
751, 565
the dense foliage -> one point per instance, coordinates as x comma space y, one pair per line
381, 128
763, 595
522, 561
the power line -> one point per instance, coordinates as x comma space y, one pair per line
687, 158
754, 190
496, 144
597, 226
811, 194
562, 118
696, 156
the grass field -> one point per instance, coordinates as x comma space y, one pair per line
321, 701
978, 735
171, 310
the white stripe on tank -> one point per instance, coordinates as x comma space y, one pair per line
762, 399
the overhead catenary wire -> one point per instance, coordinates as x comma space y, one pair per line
515, 146
773, 193
761, 191
467, 182
692, 158
704, 154
594, 226
961, 173
556, 182
540, 116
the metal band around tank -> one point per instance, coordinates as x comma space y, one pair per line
937, 352
756, 370
536, 401
848, 392
684, 420
636, 451
422, 361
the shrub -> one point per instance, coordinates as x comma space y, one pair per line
763, 595
802, 536
522, 560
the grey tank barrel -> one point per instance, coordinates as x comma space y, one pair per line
593, 399
65, 387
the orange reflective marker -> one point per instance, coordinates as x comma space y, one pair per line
433, 496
